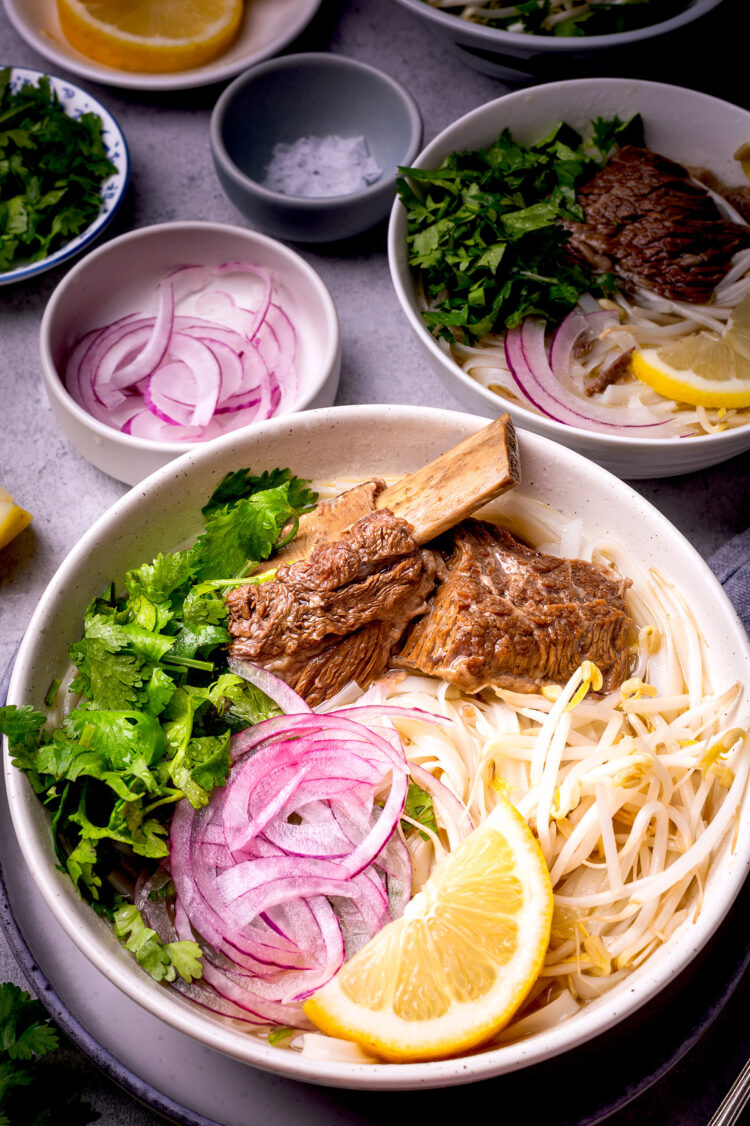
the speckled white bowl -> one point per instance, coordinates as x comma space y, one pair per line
121, 276
75, 102
682, 124
360, 441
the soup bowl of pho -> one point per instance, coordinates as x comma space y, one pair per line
295, 775
546, 38
579, 254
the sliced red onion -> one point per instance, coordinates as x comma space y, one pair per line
222, 376
273, 686
526, 354
569, 332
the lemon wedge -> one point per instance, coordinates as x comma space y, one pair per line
702, 369
738, 329
13, 519
452, 971
150, 35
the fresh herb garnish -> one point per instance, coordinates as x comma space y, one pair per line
157, 705
52, 167
33, 1090
163, 960
486, 233
418, 806
542, 17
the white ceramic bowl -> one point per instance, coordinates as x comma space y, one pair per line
682, 124
359, 441
120, 278
267, 28
518, 55
74, 102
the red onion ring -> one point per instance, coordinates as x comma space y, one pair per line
195, 377
526, 355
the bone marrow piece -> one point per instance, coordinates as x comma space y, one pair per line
508, 615
336, 616
648, 221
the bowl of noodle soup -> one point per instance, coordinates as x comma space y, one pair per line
638, 797
629, 428
498, 39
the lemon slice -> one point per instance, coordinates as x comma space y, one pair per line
702, 369
453, 970
738, 329
13, 519
150, 35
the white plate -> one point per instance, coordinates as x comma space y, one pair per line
268, 26
76, 102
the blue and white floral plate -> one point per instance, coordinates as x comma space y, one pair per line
76, 102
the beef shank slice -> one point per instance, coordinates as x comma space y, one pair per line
646, 219
507, 615
337, 615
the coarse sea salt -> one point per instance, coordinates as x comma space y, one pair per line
321, 166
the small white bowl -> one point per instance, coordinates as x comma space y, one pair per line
689, 127
121, 278
358, 442
74, 102
518, 55
268, 27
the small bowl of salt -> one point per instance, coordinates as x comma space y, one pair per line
308, 146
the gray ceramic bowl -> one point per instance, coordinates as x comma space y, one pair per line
305, 96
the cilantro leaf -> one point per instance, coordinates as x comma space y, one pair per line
244, 534
418, 806
242, 483
164, 961
34, 1090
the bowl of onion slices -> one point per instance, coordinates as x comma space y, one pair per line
177, 333
576, 254
265, 842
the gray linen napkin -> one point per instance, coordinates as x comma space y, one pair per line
731, 565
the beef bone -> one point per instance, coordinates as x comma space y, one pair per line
432, 499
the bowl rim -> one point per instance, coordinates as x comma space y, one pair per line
120, 178
172, 1008
54, 382
397, 262
315, 60
220, 70
488, 36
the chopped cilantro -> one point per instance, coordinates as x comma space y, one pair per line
163, 960
34, 1088
606, 17
52, 167
156, 705
486, 229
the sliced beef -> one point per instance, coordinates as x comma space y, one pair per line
649, 222
514, 617
336, 616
